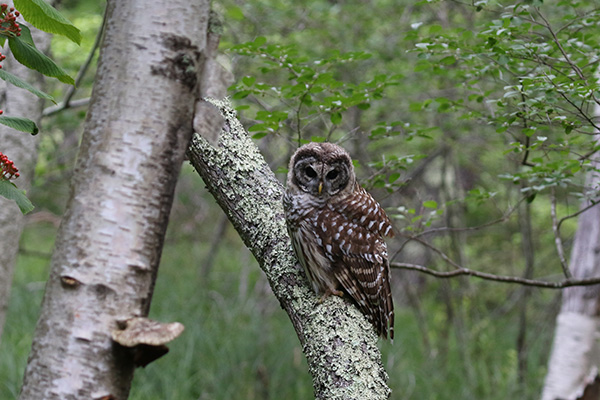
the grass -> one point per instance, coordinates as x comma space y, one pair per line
239, 344
27, 291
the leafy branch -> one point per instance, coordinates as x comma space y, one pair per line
68, 101
459, 270
309, 88
44, 17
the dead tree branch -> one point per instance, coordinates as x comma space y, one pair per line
498, 278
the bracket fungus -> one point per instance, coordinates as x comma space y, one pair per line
146, 338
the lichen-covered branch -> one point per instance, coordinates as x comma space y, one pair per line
339, 344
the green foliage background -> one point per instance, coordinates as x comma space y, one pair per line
457, 115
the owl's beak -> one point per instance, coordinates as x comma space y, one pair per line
320, 187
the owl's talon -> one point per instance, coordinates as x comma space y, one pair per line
328, 293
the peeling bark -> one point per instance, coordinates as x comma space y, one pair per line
338, 341
575, 351
22, 149
110, 240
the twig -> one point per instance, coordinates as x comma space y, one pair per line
528, 249
67, 103
584, 209
557, 239
498, 278
573, 66
525, 126
35, 253
48, 111
503, 218
439, 252
578, 108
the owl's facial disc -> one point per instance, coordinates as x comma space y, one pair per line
336, 176
308, 171
321, 170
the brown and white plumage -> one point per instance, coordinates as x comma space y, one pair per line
337, 231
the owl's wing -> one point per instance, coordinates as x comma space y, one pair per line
367, 282
362, 209
351, 232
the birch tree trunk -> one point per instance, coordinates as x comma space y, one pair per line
109, 243
22, 149
575, 353
339, 343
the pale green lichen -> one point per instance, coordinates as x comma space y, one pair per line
356, 364
339, 343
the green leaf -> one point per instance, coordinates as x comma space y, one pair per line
12, 192
259, 41
435, 29
415, 219
248, 80
242, 94
529, 131
378, 131
448, 60
393, 177
336, 118
46, 18
416, 106
26, 35
430, 204
257, 127
20, 124
260, 135
29, 56
15, 80
235, 13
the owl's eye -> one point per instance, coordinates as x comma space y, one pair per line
331, 175
310, 172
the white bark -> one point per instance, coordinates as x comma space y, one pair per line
22, 149
110, 240
574, 355
575, 350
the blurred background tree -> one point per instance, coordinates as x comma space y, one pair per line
459, 115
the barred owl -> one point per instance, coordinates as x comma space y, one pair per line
337, 232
